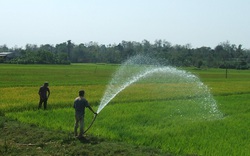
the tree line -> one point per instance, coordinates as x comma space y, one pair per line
224, 55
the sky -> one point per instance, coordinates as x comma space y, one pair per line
195, 22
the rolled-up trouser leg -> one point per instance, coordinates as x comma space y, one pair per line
81, 126
76, 125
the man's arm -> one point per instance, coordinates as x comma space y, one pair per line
48, 92
92, 110
39, 91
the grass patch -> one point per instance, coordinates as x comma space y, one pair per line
160, 125
57, 75
28, 139
157, 116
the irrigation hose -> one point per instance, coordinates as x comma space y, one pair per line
93, 120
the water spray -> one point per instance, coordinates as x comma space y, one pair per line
127, 75
142, 67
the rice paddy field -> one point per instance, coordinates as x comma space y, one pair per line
153, 115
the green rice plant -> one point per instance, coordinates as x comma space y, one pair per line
57, 75
237, 81
164, 125
27, 98
55, 119
158, 115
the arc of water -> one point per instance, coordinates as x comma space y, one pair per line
127, 75
111, 91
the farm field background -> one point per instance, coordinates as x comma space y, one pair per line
132, 117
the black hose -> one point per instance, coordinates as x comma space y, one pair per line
90, 124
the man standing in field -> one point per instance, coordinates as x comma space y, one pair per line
79, 105
44, 93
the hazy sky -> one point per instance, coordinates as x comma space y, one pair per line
195, 22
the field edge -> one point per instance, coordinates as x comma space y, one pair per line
27, 139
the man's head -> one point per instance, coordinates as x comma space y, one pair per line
81, 93
46, 84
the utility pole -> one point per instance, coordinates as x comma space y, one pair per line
69, 49
226, 72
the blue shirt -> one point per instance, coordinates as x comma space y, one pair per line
79, 104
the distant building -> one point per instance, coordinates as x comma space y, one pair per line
5, 56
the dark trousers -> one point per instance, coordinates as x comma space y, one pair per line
44, 102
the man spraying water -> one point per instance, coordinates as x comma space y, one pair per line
79, 105
141, 67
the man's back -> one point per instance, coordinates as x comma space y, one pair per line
43, 91
79, 104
